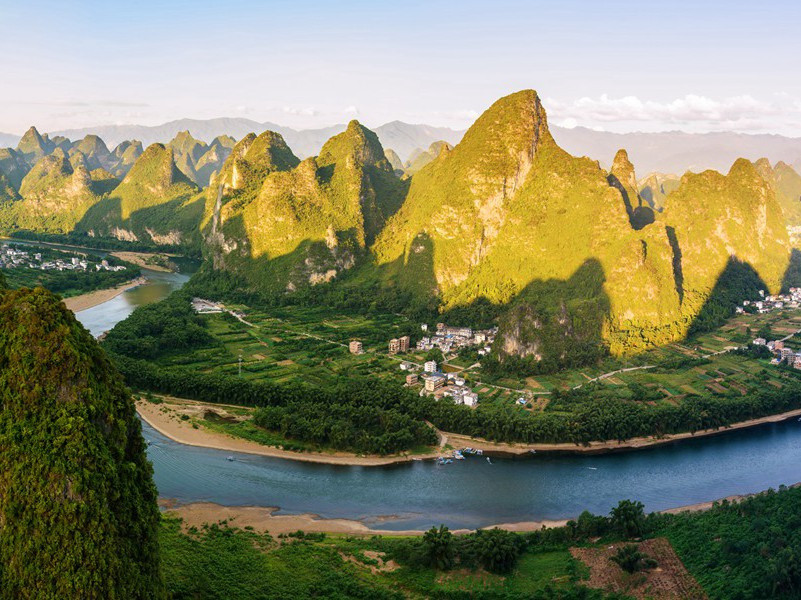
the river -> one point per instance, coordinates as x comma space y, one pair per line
470, 493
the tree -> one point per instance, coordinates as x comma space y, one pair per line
497, 550
77, 501
436, 355
784, 572
630, 559
629, 518
438, 544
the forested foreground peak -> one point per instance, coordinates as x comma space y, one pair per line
78, 514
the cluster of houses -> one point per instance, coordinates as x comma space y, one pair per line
449, 339
441, 385
13, 258
772, 302
782, 354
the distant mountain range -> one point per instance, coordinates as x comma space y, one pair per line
665, 152
403, 138
676, 151
8, 140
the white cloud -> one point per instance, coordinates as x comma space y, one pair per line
300, 111
690, 112
351, 110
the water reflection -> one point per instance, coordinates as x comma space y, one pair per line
104, 316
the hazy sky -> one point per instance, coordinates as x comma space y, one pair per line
615, 65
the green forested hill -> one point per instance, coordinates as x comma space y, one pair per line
78, 514
509, 217
155, 203
283, 225
55, 194
786, 184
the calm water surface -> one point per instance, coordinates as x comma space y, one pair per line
474, 493
470, 493
104, 316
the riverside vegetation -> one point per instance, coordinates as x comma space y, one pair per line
734, 550
74, 459
328, 398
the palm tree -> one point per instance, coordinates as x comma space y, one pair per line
439, 547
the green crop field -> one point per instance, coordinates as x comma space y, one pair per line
297, 344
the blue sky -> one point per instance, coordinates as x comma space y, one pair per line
615, 65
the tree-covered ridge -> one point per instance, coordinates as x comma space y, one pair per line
716, 218
198, 160
55, 194
33, 146
78, 514
155, 203
510, 218
282, 225
786, 184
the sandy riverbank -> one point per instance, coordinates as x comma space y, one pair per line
169, 424
84, 301
140, 259
166, 420
265, 519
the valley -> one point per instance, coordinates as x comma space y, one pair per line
353, 320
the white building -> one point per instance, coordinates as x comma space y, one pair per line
470, 399
430, 366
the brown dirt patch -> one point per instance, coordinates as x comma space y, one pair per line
286, 363
668, 581
383, 566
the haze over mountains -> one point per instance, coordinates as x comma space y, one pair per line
404, 138
666, 152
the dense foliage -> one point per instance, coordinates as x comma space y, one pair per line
361, 415
159, 328
78, 513
219, 562
745, 550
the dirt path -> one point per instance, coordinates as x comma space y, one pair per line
613, 373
